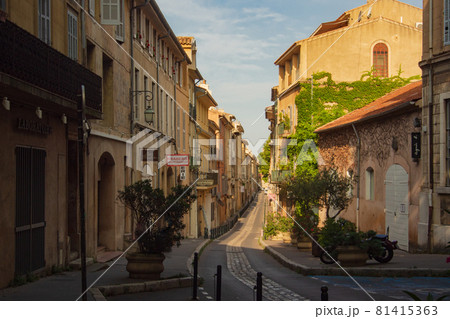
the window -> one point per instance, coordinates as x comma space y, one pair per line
72, 35
112, 12
370, 191
3, 5
184, 130
146, 95
92, 7
147, 33
120, 27
446, 22
380, 60
178, 125
43, 20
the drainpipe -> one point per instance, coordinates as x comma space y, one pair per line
83, 36
358, 171
430, 130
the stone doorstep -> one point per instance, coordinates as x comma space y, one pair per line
76, 264
148, 286
354, 271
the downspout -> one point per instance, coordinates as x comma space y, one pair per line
158, 99
358, 171
83, 36
430, 130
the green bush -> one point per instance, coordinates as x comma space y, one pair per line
276, 223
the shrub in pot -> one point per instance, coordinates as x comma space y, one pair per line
158, 221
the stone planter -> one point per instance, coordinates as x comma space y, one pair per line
351, 256
304, 244
145, 266
286, 237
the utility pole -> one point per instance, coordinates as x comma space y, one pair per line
81, 143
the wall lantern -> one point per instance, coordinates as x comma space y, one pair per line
149, 115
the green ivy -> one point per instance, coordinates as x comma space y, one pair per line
331, 100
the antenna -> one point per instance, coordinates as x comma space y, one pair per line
369, 14
360, 16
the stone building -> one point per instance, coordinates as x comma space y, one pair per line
383, 35
379, 146
434, 224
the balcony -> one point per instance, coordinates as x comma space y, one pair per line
277, 176
28, 59
207, 180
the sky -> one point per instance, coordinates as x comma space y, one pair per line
238, 42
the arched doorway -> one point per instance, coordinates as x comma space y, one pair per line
105, 203
397, 215
170, 180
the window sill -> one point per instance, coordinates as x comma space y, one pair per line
443, 190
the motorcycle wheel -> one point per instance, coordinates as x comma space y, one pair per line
386, 256
326, 259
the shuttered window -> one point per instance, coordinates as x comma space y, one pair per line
72, 35
3, 5
120, 27
446, 22
44, 20
92, 7
380, 60
111, 12
447, 110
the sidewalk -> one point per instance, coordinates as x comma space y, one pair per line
402, 265
67, 285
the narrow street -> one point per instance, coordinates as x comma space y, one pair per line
242, 257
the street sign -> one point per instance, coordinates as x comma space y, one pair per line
177, 160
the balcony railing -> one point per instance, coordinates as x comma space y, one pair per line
277, 176
27, 58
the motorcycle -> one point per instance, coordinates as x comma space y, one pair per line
384, 256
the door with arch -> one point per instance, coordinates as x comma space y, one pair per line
397, 205
106, 200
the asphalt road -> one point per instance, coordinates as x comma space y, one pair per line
241, 256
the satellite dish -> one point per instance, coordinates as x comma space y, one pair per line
360, 16
369, 14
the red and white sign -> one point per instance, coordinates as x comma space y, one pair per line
177, 160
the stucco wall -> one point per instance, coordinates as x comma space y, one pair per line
338, 149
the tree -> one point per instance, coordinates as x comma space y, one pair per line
158, 219
264, 159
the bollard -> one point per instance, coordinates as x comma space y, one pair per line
219, 283
259, 286
324, 294
195, 283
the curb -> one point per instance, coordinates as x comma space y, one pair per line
199, 248
100, 293
357, 271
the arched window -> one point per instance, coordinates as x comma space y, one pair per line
380, 60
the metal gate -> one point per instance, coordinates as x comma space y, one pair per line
30, 209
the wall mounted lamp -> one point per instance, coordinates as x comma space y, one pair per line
39, 113
64, 119
6, 104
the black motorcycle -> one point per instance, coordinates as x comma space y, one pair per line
383, 256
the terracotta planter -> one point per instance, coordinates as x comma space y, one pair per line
304, 244
145, 266
351, 256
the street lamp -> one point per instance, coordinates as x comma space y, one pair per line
149, 115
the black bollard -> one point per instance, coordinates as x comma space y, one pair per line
195, 283
219, 283
259, 286
324, 294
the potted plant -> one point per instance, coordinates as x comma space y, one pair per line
158, 221
341, 239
